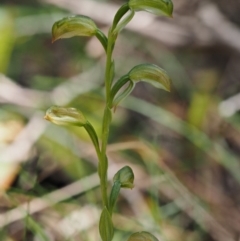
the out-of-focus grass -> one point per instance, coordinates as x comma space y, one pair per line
198, 138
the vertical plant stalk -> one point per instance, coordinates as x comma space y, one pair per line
103, 165
109, 75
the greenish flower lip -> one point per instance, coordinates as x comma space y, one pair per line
65, 116
78, 25
151, 74
157, 7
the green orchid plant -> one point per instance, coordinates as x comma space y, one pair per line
84, 26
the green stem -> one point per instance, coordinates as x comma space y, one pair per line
104, 160
103, 165
108, 80
109, 75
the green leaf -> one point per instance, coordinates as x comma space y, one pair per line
114, 195
116, 96
120, 13
125, 176
93, 135
123, 23
158, 7
123, 95
65, 116
118, 85
142, 236
102, 38
73, 26
152, 74
106, 226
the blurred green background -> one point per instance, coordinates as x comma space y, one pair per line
183, 146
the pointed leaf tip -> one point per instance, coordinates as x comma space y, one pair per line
152, 74
68, 27
157, 7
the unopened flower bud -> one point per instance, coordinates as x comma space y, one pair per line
73, 26
158, 7
65, 116
152, 74
125, 176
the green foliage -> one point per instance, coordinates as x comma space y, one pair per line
106, 226
158, 7
183, 147
114, 195
84, 26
